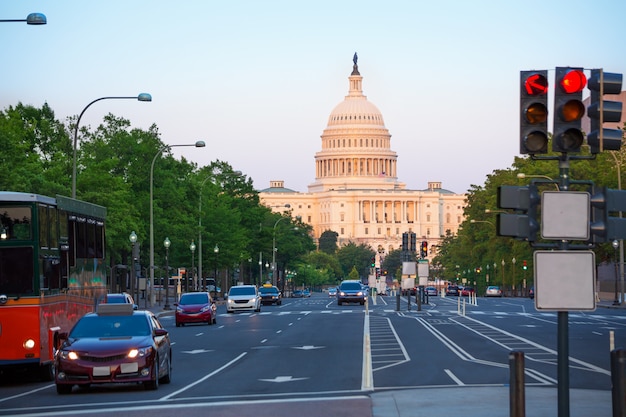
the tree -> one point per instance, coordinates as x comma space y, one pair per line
359, 256
328, 242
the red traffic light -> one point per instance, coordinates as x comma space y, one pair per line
573, 81
536, 84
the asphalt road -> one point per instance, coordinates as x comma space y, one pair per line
317, 357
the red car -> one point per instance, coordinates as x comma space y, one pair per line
467, 291
195, 307
115, 344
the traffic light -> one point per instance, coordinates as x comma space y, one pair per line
413, 242
478, 270
373, 261
604, 227
568, 109
523, 223
405, 242
601, 111
424, 249
524, 266
533, 112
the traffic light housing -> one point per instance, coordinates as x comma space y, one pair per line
568, 109
604, 227
521, 224
601, 111
533, 112
424, 249
413, 242
524, 266
405, 242
373, 261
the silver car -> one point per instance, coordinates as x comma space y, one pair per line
243, 298
493, 291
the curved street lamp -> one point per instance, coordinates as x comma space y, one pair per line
198, 144
140, 97
167, 244
192, 248
32, 19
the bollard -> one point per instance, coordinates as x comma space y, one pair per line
418, 299
618, 381
458, 305
398, 300
517, 396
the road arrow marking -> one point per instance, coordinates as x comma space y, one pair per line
196, 351
308, 347
283, 379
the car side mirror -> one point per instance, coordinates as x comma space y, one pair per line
160, 332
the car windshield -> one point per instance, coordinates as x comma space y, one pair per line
199, 298
116, 299
351, 286
111, 326
242, 291
268, 290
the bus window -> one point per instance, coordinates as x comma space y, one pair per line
16, 222
100, 240
44, 227
54, 228
51, 272
16, 270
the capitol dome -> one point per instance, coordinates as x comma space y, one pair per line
356, 146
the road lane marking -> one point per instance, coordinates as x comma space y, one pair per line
204, 378
453, 377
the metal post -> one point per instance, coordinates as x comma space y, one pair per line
618, 380
167, 274
563, 364
517, 396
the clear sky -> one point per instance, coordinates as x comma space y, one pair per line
257, 80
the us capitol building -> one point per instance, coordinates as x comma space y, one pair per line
357, 193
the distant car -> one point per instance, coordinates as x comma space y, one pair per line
306, 293
467, 291
270, 295
531, 293
351, 292
452, 290
120, 298
431, 291
114, 344
195, 307
332, 292
242, 298
493, 291
298, 294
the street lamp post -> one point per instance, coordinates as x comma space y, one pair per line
216, 251
167, 244
32, 19
198, 144
513, 282
140, 97
133, 240
502, 275
615, 244
192, 248
274, 272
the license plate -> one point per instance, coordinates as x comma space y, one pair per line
127, 368
101, 371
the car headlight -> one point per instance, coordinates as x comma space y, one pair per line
141, 352
205, 308
360, 293
179, 310
68, 354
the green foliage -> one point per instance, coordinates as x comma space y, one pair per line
354, 274
352, 255
328, 242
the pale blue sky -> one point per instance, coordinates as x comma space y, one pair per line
257, 80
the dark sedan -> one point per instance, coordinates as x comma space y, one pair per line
195, 307
270, 295
351, 292
115, 344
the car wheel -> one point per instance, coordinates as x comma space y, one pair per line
64, 389
214, 320
338, 302
153, 384
167, 378
177, 324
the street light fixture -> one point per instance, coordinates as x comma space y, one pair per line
616, 245
521, 175
32, 19
167, 244
481, 221
133, 240
140, 97
274, 282
198, 144
192, 248
216, 251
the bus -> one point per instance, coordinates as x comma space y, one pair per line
52, 272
